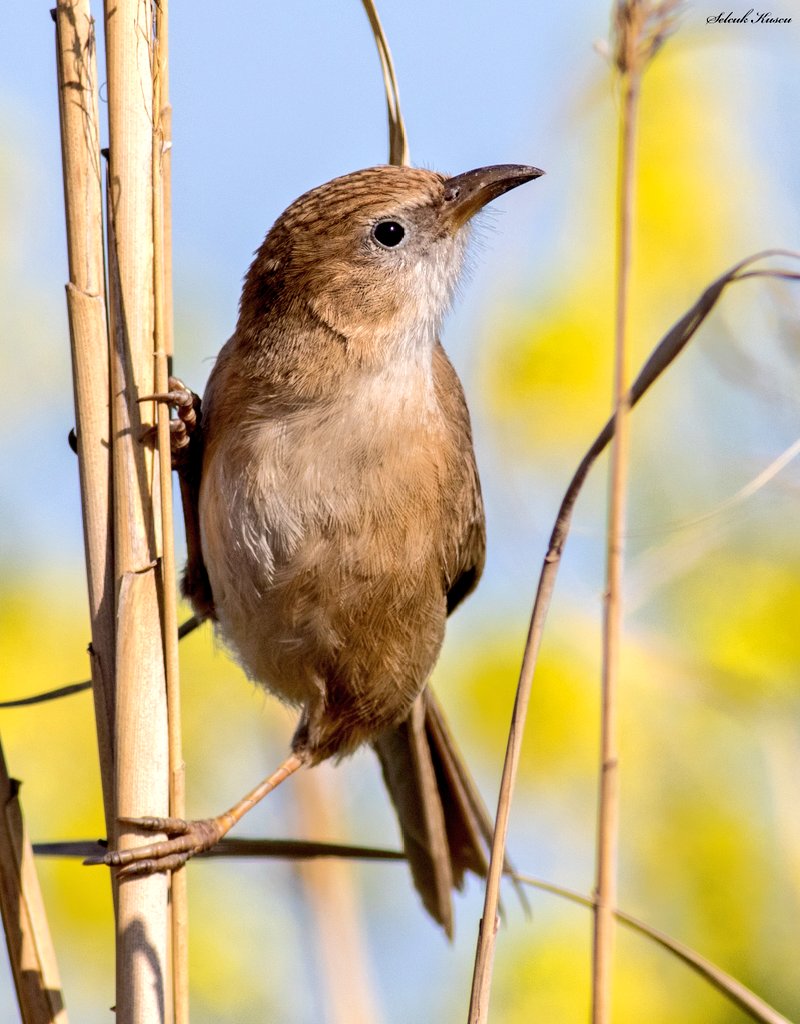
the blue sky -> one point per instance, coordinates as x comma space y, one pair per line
270, 100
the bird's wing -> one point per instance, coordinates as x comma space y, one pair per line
465, 551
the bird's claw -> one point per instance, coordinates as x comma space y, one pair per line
186, 838
187, 406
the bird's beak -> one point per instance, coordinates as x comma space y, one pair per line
467, 193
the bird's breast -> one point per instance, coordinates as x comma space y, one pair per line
329, 523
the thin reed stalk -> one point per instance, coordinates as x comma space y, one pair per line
662, 356
30, 948
86, 307
162, 304
398, 140
142, 756
640, 27
287, 849
608, 796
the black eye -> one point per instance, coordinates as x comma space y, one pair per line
388, 233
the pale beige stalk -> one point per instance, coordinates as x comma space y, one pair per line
30, 948
162, 293
662, 356
639, 29
142, 750
86, 307
608, 796
398, 140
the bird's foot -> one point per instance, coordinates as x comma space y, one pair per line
186, 838
187, 422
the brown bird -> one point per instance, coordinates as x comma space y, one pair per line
334, 512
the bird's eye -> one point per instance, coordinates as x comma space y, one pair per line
388, 233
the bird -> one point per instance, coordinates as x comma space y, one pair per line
332, 501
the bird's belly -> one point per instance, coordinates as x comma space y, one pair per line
324, 561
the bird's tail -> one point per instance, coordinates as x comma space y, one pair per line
445, 826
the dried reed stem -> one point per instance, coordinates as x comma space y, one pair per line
86, 307
608, 797
640, 27
608, 800
141, 723
398, 140
664, 354
30, 948
162, 294
286, 849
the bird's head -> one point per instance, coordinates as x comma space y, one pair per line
377, 253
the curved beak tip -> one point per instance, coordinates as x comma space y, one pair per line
466, 194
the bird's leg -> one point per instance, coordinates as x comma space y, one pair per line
186, 444
186, 838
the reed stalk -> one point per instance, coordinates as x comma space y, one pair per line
660, 359
30, 948
398, 139
142, 751
640, 26
608, 796
86, 307
162, 299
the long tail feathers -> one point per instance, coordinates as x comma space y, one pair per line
445, 825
